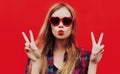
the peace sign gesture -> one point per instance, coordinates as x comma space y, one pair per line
97, 49
30, 47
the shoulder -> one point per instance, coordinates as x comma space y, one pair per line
84, 52
84, 56
82, 61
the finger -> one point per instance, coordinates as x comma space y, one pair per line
31, 36
100, 39
25, 37
93, 38
101, 52
100, 49
27, 49
26, 44
102, 46
33, 46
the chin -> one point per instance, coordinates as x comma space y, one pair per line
61, 37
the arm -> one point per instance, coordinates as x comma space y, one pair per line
96, 55
92, 68
32, 67
35, 67
33, 53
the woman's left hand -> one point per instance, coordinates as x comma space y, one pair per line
97, 49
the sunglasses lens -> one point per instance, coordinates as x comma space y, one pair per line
54, 21
67, 21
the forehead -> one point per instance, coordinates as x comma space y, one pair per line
62, 12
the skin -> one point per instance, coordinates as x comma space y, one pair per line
60, 40
62, 12
34, 53
96, 55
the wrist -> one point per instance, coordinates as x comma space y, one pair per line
92, 68
35, 67
35, 62
91, 64
93, 60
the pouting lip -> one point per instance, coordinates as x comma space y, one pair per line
60, 32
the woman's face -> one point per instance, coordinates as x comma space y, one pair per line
61, 29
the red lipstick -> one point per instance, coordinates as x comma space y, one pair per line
60, 32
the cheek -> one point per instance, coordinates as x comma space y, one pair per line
68, 31
54, 30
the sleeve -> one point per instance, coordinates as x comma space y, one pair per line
85, 58
82, 62
28, 66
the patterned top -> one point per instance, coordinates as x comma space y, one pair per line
81, 64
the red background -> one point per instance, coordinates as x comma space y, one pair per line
92, 15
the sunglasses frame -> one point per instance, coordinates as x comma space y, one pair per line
61, 20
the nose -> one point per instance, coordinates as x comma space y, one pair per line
60, 25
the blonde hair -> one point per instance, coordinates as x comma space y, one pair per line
46, 39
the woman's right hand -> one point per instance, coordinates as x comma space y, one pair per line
30, 47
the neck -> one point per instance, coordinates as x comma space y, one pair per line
60, 44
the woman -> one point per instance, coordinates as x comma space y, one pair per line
55, 51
